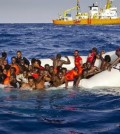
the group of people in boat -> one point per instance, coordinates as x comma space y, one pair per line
19, 72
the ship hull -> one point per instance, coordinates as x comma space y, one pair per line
88, 22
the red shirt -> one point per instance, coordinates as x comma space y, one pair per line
42, 68
71, 75
35, 76
90, 57
78, 60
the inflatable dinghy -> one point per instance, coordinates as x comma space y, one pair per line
103, 79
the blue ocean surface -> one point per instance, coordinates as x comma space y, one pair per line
60, 111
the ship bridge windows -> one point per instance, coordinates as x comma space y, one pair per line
113, 9
68, 15
95, 10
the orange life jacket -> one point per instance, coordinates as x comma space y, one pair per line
7, 81
17, 69
78, 60
80, 69
90, 57
35, 76
71, 75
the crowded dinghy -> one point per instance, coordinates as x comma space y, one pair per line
39, 77
103, 79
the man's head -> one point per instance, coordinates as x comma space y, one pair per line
76, 53
33, 61
47, 67
25, 73
5, 62
13, 59
60, 74
12, 77
107, 58
19, 54
37, 63
88, 65
22, 62
94, 49
64, 70
4, 54
31, 80
58, 56
51, 70
12, 70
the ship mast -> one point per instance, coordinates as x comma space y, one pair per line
78, 6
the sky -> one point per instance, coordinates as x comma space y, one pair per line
41, 11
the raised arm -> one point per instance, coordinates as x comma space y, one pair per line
114, 63
66, 62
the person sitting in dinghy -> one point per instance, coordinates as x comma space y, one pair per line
72, 75
117, 52
88, 72
93, 55
5, 57
59, 79
19, 58
78, 61
58, 62
30, 85
92, 70
105, 62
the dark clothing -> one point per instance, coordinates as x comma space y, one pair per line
2, 78
26, 61
14, 84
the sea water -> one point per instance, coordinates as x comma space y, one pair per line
73, 111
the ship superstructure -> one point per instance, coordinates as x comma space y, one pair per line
96, 15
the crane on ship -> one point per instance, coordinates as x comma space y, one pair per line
109, 4
70, 9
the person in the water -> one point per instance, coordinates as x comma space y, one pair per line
23, 77
13, 81
30, 85
43, 77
